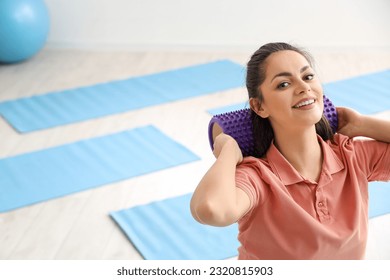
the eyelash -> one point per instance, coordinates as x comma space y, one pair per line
281, 85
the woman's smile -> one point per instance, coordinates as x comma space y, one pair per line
305, 104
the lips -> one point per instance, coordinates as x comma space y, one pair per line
304, 102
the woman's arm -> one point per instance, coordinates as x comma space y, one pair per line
352, 124
217, 201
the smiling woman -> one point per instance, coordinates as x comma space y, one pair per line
277, 82
305, 194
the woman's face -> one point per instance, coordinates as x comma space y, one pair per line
292, 93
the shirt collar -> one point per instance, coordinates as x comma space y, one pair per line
289, 175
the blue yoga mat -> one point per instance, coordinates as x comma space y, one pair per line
368, 94
34, 177
379, 194
79, 104
165, 230
229, 108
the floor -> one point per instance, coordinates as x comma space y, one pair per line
78, 226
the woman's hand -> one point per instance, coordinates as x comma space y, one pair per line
224, 141
350, 122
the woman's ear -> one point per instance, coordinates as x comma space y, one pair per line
255, 105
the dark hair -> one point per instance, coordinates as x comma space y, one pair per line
262, 130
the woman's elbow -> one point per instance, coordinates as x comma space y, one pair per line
210, 214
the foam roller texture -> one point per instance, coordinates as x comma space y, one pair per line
238, 124
331, 113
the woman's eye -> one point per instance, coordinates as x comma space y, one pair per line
283, 85
309, 77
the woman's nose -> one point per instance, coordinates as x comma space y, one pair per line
302, 87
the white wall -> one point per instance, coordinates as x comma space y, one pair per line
185, 24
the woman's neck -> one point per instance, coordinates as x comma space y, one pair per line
302, 150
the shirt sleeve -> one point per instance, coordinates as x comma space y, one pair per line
374, 159
248, 178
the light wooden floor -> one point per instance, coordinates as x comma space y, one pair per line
78, 226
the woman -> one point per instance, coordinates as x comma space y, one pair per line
305, 195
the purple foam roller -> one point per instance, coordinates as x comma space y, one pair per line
238, 124
331, 114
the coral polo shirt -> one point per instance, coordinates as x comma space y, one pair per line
294, 218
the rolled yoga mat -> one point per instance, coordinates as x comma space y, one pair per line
238, 124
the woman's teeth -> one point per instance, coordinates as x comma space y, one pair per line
304, 103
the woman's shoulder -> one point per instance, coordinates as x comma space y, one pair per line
358, 145
372, 156
255, 167
340, 140
253, 162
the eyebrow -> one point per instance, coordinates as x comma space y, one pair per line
288, 74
